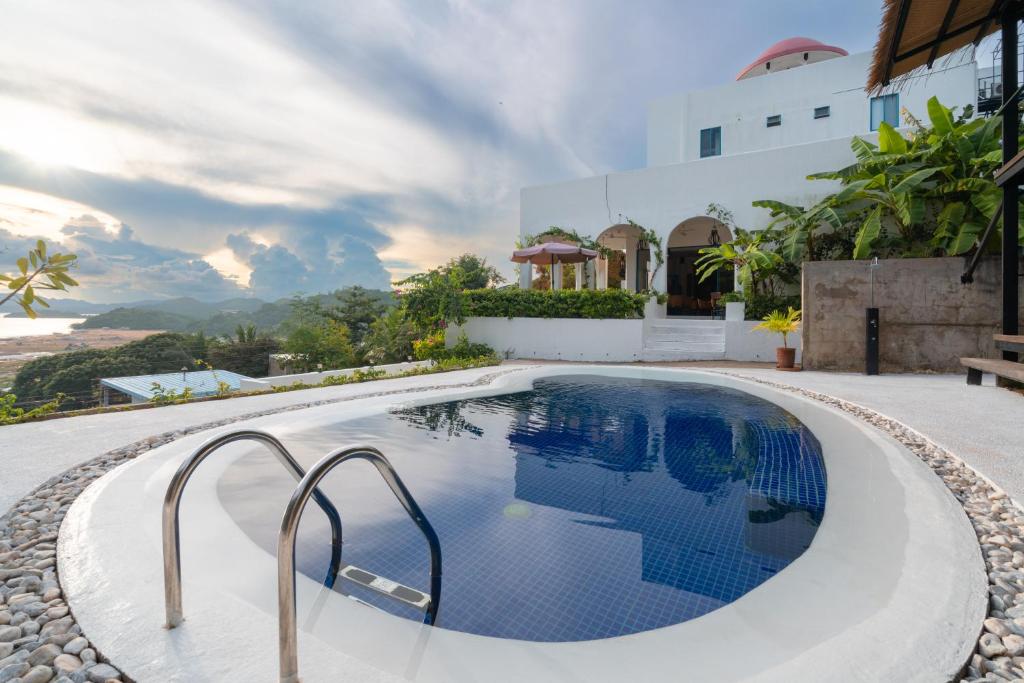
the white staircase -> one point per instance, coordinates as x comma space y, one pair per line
667, 339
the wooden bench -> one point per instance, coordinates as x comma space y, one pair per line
1003, 368
1009, 342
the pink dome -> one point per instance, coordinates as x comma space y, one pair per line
789, 53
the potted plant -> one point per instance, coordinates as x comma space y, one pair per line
784, 324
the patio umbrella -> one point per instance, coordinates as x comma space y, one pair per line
550, 253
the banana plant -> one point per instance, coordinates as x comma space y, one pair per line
744, 255
930, 192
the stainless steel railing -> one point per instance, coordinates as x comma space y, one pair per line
287, 629
172, 502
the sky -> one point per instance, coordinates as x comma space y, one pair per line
217, 149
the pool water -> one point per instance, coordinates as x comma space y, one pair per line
589, 507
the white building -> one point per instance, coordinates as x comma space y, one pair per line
792, 112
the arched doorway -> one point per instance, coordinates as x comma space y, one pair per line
628, 265
686, 295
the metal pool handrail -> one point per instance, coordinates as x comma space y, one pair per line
287, 629
172, 501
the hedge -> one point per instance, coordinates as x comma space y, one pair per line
513, 302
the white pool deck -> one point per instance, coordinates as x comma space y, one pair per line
844, 598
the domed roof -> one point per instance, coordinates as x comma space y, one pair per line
789, 53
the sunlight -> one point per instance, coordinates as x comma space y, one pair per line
28, 213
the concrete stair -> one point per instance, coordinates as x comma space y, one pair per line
669, 339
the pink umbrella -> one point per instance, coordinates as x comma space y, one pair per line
550, 253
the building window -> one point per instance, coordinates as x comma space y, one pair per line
822, 112
885, 108
711, 142
774, 120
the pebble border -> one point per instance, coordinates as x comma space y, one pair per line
998, 522
40, 641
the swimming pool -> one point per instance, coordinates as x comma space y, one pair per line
588, 507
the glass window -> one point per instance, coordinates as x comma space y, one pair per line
822, 112
774, 120
885, 108
711, 142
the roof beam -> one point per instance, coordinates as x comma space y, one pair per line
946, 20
900, 23
951, 34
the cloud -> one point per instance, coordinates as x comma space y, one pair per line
278, 271
116, 267
343, 137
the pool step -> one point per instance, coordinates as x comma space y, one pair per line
386, 587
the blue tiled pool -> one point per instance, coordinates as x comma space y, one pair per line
587, 508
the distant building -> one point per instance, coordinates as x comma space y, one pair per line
142, 388
791, 113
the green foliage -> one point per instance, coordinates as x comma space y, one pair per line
433, 300
353, 307
433, 348
513, 302
320, 346
475, 273
748, 254
758, 306
430, 347
390, 339
163, 396
247, 353
38, 270
11, 413
76, 373
778, 322
929, 194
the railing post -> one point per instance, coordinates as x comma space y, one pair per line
172, 503
288, 646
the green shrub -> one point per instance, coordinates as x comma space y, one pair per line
513, 302
757, 307
433, 348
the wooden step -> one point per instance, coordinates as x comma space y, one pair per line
1002, 368
1009, 342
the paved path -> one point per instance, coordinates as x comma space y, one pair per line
984, 425
33, 452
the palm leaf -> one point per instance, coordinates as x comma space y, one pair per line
868, 233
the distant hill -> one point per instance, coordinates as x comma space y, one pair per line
186, 314
186, 306
137, 319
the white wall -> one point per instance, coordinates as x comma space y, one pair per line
741, 107
558, 338
577, 339
662, 197
742, 343
318, 377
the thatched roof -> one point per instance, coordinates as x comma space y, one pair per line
914, 33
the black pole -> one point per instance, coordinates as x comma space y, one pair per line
871, 357
1010, 190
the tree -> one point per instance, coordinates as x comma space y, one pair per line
476, 274
247, 353
34, 268
325, 346
390, 338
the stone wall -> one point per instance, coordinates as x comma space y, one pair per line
928, 319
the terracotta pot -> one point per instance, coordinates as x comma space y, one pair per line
784, 357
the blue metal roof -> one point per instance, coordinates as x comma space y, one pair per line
201, 382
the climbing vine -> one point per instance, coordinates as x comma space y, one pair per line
655, 243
